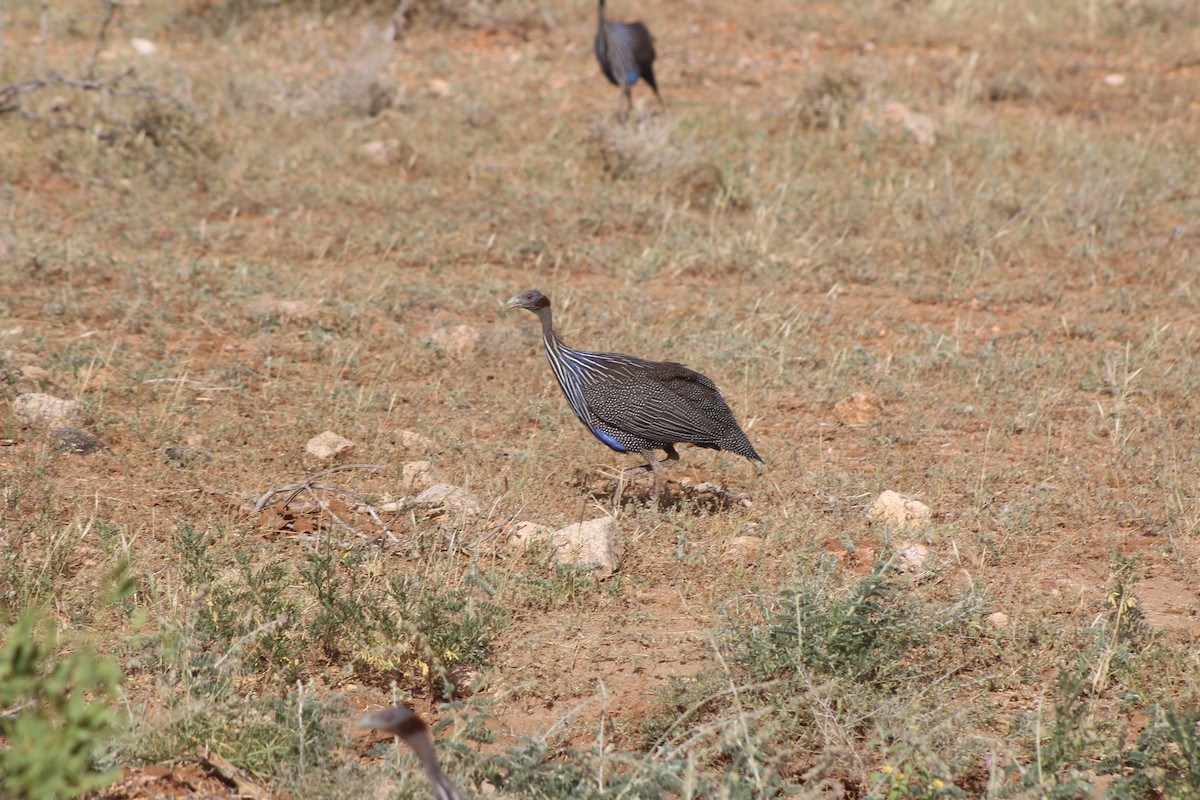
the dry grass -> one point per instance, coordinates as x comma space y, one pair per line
1020, 293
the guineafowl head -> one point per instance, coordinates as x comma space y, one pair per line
399, 721
532, 300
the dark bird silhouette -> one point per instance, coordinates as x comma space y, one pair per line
638, 406
402, 721
625, 51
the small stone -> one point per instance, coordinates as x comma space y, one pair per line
998, 620
526, 534
596, 544
913, 557
48, 411
857, 409
743, 551
440, 88
35, 373
75, 441
386, 152
411, 440
461, 340
897, 511
418, 475
184, 454
328, 445
274, 307
451, 498
143, 47
1114, 79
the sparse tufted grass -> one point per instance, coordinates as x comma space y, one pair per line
1019, 293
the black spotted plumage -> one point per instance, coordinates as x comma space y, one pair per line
625, 51
638, 406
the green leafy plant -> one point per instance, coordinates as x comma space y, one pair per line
53, 713
1164, 762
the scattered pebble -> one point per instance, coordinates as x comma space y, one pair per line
418, 475
328, 445
913, 557
143, 47
1114, 79
411, 440
451, 498
857, 409
387, 152
35, 373
743, 551
75, 441
48, 411
998, 620
184, 454
596, 544
897, 511
440, 88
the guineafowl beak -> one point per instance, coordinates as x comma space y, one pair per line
514, 302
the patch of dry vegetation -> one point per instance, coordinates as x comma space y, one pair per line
988, 224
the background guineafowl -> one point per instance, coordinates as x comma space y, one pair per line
625, 51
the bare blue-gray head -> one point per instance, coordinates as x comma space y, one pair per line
402, 721
638, 406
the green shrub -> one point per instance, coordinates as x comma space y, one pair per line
54, 713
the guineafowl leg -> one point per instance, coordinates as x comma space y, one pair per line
652, 464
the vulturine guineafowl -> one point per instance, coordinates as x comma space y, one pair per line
402, 721
625, 51
638, 406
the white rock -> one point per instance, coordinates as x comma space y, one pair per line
328, 445
526, 534
743, 551
386, 152
897, 511
913, 557
143, 47
411, 440
452, 498
596, 544
46, 410
997, 620
440, 88
418, 475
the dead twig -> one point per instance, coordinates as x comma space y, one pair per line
296, 488
10, 95
109, 12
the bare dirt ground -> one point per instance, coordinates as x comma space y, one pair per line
983, 215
